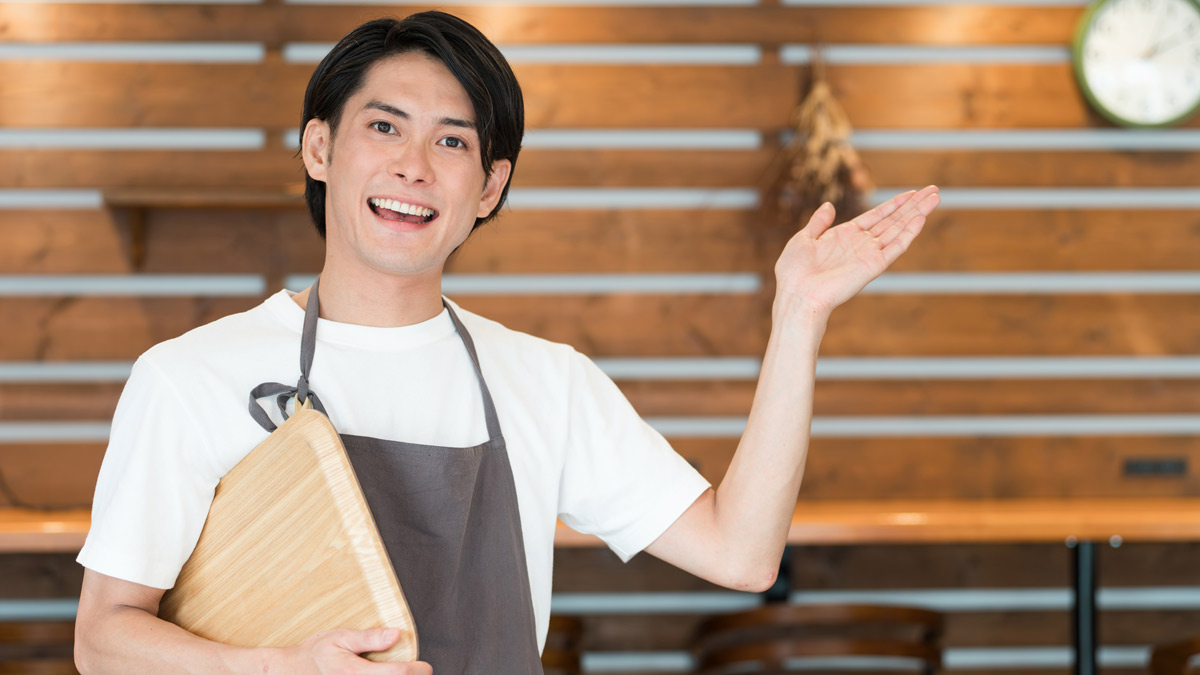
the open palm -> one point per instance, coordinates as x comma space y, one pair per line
826, 265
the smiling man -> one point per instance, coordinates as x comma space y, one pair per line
469, 439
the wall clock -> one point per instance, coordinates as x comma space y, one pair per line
1138, 61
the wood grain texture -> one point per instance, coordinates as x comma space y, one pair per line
1032, 325
52, 475
48, 94
1065, 240
279, 169
838, 469
37, 531
122, 328
289, 550
281, 242
925, 397
1012, 521
103, 328
40, 575
973, 468
74, 401
525, 24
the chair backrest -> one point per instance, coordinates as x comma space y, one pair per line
1172, 659
562, 655
770, 637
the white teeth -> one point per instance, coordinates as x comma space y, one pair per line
401, 207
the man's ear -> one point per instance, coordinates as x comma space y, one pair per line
317, 144
494, 186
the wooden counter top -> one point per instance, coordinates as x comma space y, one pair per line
849, 522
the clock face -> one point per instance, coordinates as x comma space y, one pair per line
1139, 60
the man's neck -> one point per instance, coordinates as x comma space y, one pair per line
369, 298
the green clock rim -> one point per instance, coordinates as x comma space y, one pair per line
1077, 63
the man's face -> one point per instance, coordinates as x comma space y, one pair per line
406, 142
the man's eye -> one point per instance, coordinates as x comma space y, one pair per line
385, 127
454, 142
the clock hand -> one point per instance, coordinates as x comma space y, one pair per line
1162, 46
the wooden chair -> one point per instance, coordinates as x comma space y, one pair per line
1172, 659
763, 640
562, 655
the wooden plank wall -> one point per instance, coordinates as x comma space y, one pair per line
1054, 289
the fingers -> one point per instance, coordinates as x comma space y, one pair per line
871, 218
916, 208
904, 209
362, 641
417, 668
898, 245
898, 238
821, 220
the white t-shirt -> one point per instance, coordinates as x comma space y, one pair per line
579, 452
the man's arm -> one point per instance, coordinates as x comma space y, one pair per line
735, 535
117, 630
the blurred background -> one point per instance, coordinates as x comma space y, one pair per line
1013, 405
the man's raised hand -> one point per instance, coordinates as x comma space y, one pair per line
823, 266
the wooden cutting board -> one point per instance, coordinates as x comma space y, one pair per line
290, 549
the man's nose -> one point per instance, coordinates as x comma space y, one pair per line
411, 162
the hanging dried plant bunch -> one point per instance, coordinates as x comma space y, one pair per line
818, 164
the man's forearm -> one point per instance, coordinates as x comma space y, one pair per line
132, 640
755, 501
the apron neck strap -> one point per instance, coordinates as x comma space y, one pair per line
308, 346
308, 342
489, 408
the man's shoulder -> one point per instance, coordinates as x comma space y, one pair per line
529, 360
495, 335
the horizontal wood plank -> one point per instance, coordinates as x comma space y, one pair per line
837, 469
49, 94
1031, 325
979, 468
526, 24
107, 328
280, 170
49, 475
1064, 240
929, 397
40, 575
280, 242
69, 328
103, 328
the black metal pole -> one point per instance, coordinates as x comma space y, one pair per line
1083, 615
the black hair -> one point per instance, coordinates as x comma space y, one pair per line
473, 60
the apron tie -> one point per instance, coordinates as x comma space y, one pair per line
282, 394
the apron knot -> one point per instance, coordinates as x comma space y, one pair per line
282, 393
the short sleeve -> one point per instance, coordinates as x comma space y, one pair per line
621, 480
154, 490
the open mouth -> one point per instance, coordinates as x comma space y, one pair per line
402, 212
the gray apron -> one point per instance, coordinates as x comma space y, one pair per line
449, 522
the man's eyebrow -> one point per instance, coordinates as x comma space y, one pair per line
393, 110
389, 109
